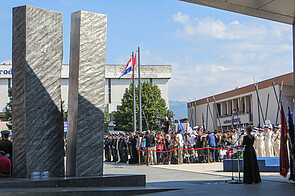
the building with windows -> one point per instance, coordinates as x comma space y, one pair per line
114, 88
241, 105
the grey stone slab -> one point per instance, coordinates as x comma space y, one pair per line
92, 181
86, 94
36, 106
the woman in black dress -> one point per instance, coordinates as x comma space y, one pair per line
251, 170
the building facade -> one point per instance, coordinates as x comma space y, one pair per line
114, 87
241, 106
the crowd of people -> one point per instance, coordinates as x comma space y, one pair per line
5, 154
190, 146
194, 145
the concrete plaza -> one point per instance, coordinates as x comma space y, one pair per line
205, 179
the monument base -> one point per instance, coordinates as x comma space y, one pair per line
97, 185
265, 164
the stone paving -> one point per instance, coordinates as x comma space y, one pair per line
207, 179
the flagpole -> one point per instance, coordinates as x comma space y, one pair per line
214, 126
217, 113
259, 103
139, 92
266, 110
280, 96
134, 103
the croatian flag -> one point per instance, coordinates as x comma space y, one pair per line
129, 67
133, 64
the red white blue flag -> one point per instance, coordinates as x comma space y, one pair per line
133, 65
127, 69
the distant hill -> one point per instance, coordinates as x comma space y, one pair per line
179, 108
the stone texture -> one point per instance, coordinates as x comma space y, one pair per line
36, 119
86, 94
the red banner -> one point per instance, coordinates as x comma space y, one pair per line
284, 158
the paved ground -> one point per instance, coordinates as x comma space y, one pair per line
207, 179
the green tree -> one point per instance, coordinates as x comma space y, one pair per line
8, 110
153, 108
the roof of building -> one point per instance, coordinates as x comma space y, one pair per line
147, 71
276, 10
287, 79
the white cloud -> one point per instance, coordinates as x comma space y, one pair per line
180, 18
235, 22
217, 29
213, 55
192, 79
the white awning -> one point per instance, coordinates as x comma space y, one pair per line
277, 10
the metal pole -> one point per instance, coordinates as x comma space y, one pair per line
208, 151
258, 114
239, 166
267, 101
139, 92
134, 100
191, 112
279, 107
293, 28
293, 106
205, 128
276, 95
214, 126
259, 104
195, 116
217, 113
239, 124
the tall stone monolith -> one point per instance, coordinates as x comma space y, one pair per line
37, 121
86, 94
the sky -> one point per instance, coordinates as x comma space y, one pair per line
210, 50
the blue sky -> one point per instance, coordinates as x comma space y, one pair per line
210, 50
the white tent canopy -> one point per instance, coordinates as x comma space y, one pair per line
277, 10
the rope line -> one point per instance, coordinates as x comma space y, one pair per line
185, 149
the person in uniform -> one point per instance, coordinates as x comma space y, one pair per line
217, 136
114, 149
200, 144
224, 139
6, 144
255, 133
277, 140
235, 137
123, 150
180, 145
107, 148
117, 147
240, 138
268, 141
133, 149
260, 143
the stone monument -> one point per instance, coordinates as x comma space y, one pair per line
86, 94
36, 90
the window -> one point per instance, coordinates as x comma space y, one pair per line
218, 108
